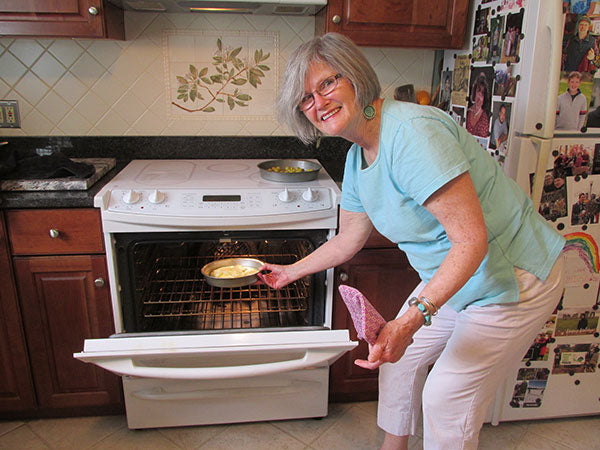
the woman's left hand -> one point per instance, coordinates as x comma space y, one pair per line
392, 341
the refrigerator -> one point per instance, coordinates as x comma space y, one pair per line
527, 86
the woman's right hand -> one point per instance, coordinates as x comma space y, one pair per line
277, 277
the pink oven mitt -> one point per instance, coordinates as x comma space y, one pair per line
367, 321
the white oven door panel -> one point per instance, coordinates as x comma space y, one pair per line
154, 403
217, 356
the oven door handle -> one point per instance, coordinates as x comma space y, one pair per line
311, 358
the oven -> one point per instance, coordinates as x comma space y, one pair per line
190, 353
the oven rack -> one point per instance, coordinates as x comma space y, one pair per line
175, 288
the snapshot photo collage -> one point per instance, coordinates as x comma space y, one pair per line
480, 89
578, 106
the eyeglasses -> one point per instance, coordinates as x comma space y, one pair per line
326, 87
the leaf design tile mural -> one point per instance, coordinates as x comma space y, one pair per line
217, 75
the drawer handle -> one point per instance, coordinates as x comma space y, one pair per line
336, 19
344, 276
93, 11
54, 233
99, 282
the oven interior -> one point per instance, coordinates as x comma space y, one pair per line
162, 288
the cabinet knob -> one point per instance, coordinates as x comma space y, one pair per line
343, 276
99, 282
336, 19
54, 233
93, 11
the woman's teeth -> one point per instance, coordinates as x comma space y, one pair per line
330, 113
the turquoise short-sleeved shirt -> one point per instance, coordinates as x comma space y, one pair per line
421, 149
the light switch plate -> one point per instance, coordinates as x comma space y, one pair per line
9, 114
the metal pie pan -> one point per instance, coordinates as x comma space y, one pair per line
311, 170
231, 282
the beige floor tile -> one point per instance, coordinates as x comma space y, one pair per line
9, 425
505, 435
355, 429
191, 437
21, 438
307, 430
255, 436
128, 439
576, 432
532, 441
76, 432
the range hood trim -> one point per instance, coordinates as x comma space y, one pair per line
265, 7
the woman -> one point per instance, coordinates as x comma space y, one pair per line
426, 184
478, 119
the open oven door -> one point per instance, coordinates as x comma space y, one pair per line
179, 380
216, 356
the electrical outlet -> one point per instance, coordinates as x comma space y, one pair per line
9, 114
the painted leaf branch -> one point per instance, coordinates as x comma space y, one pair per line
231, 72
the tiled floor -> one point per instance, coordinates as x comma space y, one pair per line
348, 426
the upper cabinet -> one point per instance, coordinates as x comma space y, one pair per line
61, 18
397, 23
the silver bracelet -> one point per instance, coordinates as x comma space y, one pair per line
431, 307
421, 307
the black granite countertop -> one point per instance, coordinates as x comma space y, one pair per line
331, 153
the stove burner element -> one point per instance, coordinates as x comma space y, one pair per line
228, 167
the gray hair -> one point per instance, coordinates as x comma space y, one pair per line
345, 58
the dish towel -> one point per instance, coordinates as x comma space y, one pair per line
367, 321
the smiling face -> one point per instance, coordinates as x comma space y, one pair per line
574, 83
584, 27
336, 113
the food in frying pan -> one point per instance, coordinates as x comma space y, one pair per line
286, 169
234, 271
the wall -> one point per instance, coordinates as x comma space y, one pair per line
79, 87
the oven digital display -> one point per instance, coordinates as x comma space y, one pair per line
221, 198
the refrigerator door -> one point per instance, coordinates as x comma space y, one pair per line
559, 375
217, 356
539, 69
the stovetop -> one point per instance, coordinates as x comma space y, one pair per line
201, 174
209, 190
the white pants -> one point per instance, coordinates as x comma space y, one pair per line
475, 350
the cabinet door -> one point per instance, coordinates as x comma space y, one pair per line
61, 18
62, 307
16, 387
397, 23
386, 279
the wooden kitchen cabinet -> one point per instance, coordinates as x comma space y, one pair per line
16, 384
397, 23
64, 299
382, 273
61, 18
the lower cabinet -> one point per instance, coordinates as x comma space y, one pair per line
61, 306
382, 273
16, 384
50, 302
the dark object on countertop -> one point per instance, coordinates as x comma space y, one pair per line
31, 166
405, 93
8, 161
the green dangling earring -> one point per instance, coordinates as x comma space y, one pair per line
369, 112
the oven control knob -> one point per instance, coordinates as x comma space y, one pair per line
131, 197
156, 196
285, 196
309, 195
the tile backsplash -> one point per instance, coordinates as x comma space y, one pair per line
81, 87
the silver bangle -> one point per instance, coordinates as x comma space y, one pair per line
431, 307
423, 308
